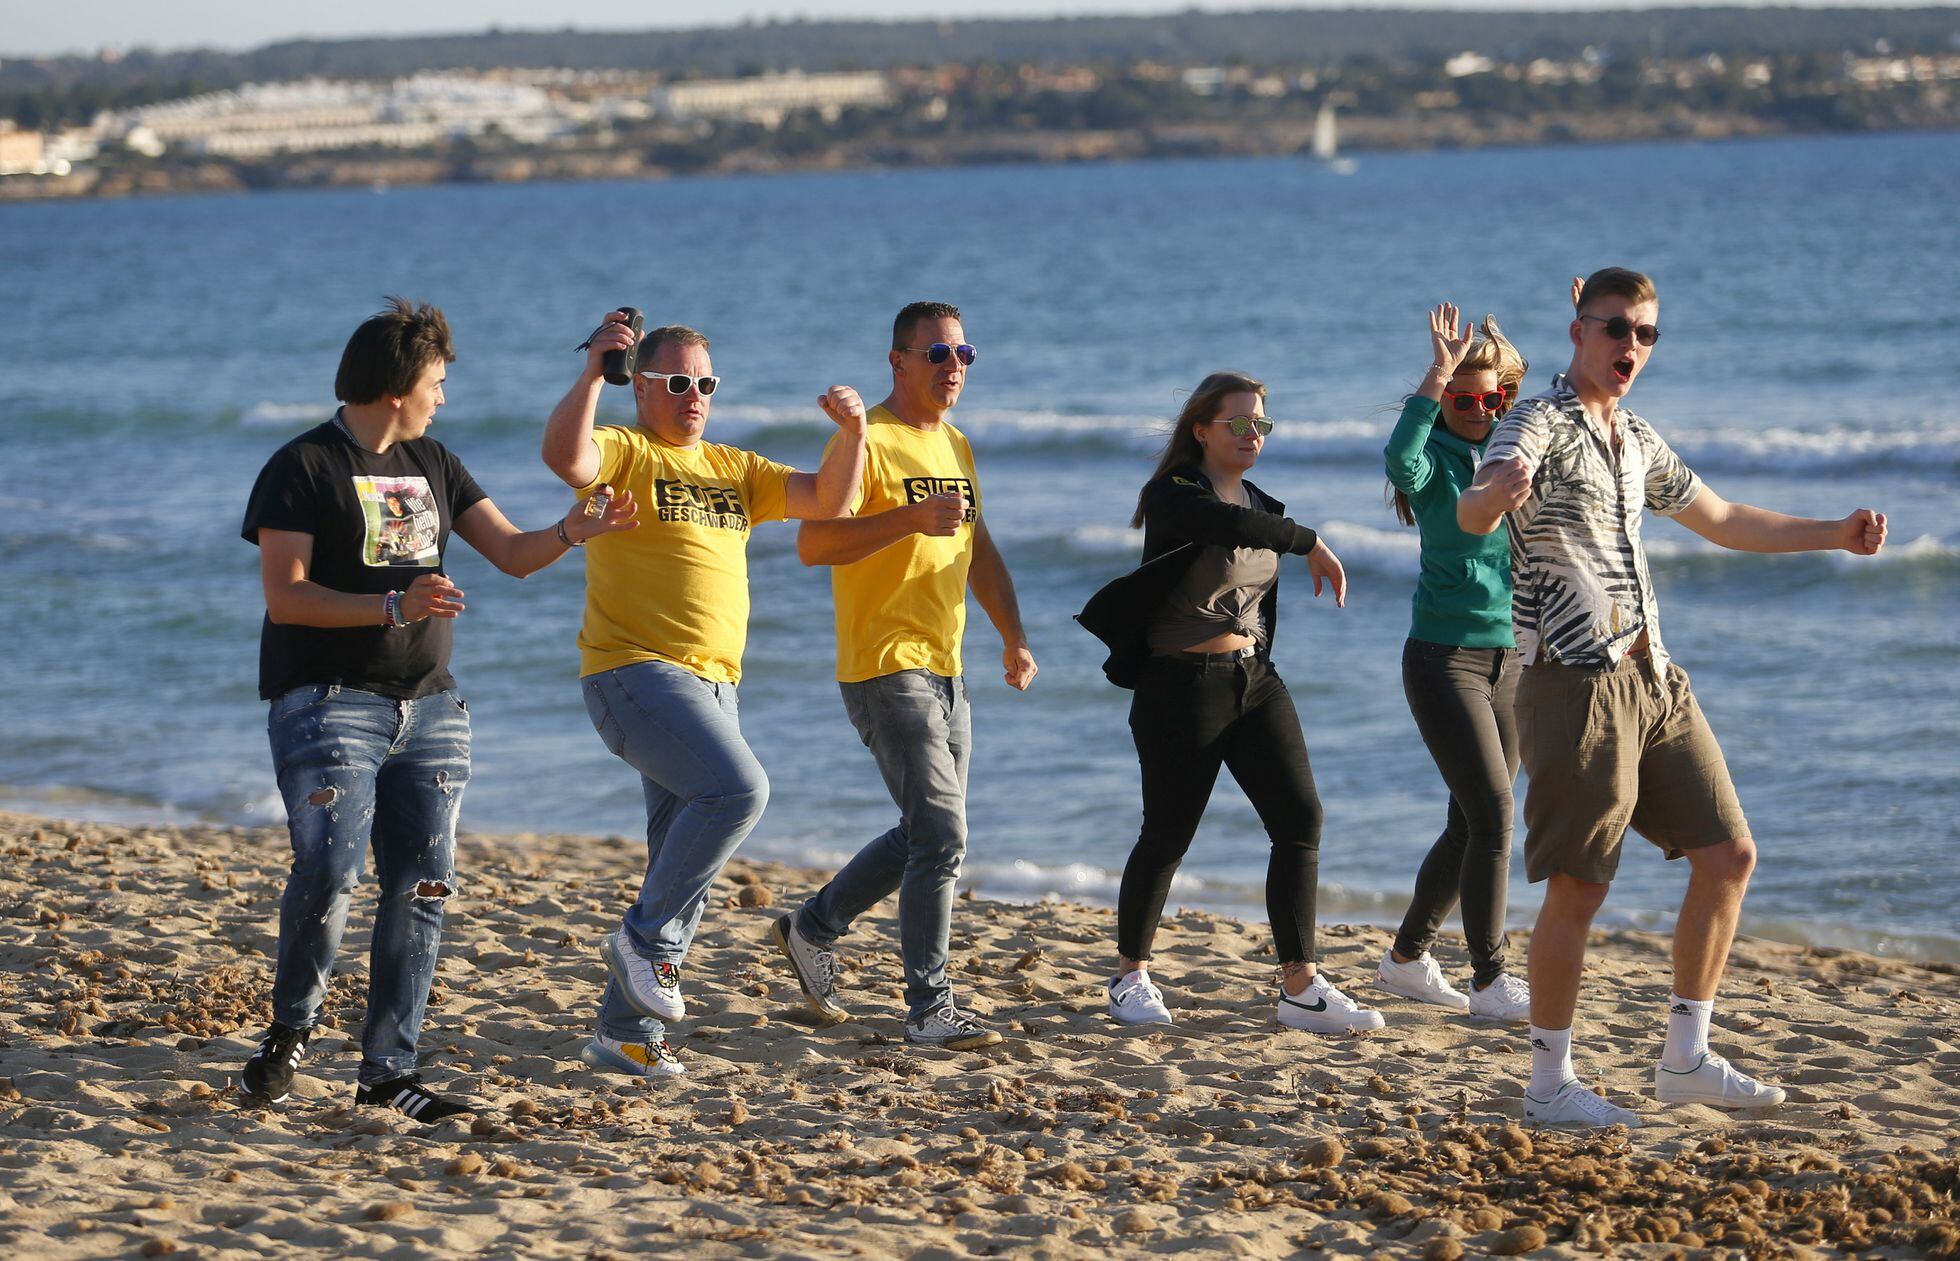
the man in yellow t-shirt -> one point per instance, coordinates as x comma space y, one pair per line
903, 560
666, 618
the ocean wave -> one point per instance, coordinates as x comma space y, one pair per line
1799, 450
269, 415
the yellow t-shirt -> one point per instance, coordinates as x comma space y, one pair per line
904, 608
677, 588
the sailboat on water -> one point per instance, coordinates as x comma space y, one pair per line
1325, 146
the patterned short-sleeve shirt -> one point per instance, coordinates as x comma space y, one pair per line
1581, 590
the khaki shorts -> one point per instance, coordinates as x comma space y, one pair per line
1609, 749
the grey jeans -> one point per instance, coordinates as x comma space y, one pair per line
919, 727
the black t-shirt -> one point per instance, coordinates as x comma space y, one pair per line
378, 522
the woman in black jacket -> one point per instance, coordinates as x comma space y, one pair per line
1192, 631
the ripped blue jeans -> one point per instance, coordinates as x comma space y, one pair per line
357, 768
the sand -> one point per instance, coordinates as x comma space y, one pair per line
138, 966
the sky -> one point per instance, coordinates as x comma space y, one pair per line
44, 27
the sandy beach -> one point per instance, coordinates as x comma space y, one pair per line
138, 967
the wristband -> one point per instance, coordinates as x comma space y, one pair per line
567, 539
391, 610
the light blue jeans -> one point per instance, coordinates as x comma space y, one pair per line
704, 790
919, 727
356, 767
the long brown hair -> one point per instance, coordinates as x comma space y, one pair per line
1492, 353
1201, 408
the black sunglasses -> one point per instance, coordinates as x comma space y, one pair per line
1618, 326
938, 352
681, 383
1491, 402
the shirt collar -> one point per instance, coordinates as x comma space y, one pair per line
1568, 400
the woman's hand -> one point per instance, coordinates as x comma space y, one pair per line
1447, 342
1325, 566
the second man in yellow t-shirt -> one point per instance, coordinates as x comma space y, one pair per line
902, 564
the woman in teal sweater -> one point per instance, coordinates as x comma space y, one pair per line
1459, 668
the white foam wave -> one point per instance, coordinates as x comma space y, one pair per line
269, 415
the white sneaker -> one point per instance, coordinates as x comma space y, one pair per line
1713, 1081
1506, 998
652, 989
1133, 1000
1574, 1104
1419, 979
1324, 1009
947, 1026
815, 968
633, 1059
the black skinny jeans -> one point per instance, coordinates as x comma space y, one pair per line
1463, 701
1189, 717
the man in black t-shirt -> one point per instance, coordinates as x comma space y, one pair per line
370, 741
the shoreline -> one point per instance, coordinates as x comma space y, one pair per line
1367, 135
137, 980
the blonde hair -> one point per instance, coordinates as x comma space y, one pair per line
1492, 352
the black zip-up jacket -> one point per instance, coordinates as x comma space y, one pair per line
1182, 513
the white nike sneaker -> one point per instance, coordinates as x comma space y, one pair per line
1713, 1081
1133, 1000
652, 989
1506, 998
1574, 1104
1324, 1009
1419, 979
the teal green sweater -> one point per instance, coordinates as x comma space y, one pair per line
1464, 594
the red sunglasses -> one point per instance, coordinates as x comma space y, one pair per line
1491, 402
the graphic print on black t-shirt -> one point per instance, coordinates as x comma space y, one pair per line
717, 507
919, 488
402, 524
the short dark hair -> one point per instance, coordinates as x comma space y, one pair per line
909, 317
679, 334
389, 351
1617, 282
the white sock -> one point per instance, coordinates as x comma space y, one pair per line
1687, 1032
1551, 1061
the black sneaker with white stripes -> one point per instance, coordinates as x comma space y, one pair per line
408, 1096
269, 1073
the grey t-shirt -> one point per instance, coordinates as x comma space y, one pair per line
1220, 594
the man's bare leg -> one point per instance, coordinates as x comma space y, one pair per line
1558, 961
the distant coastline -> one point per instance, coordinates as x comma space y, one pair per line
1360, 135
505, 107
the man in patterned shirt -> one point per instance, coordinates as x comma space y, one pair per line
1609, 729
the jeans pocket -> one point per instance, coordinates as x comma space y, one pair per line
299, 700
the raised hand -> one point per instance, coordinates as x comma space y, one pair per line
1447, 342
1578, 287
621, 513
1326, 568
1864, 532
613, 334
844, 408
431, 595
939, 515
1509, 480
